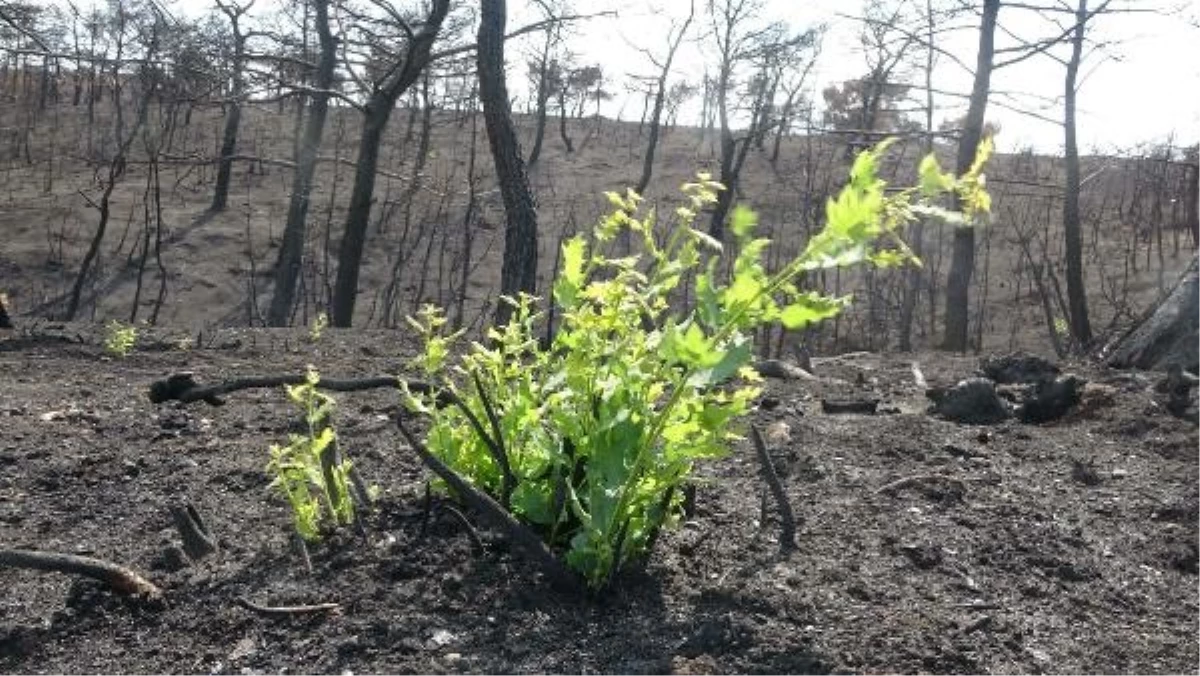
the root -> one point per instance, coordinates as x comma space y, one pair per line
119, 578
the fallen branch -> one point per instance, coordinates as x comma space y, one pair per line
183, 387
787, 534
521, 536
864, 406
286, 611
119, 578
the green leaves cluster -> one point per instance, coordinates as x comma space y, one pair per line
119, 338
307, 471
601, 428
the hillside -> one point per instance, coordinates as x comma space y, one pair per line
217, 267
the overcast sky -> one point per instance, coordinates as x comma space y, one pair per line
1143, 88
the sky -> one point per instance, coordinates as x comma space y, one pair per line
1143, 86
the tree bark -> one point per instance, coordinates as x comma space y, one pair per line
962, 264
1169, 335
287, 268
375, 118
519, 270
1081, 328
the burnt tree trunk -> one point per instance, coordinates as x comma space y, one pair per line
519, 270
543, 98
1191, 200
1081, 327
233, 117
287, 268
1168, 336
375, 118
660, 97
962, 264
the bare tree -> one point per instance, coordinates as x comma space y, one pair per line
233, 109
740, 38
519, 270
395, 72
291, 249
962, 264
543, 70
674, 38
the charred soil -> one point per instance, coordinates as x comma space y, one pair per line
924, 546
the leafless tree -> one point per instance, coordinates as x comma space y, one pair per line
519, 270
233, 109
675, 37
388, 76
291, 248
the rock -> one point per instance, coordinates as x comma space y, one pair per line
1018, 368
973, 402
1050, 399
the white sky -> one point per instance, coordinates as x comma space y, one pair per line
1143, 88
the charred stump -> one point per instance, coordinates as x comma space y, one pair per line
1168, 336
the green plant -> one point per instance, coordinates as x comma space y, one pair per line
590, 439
319, 324
307, 471
119, 338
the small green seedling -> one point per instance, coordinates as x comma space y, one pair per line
119, 338
308, 471
319, 324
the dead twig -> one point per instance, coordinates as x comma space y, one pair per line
197, 540
287, 611
119, 578
787, 534
521, 536
463, 521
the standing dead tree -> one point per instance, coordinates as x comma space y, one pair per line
519, 270
291, 249
388, 74
544, 70
674, 39
147, 31
740, 39
233, 109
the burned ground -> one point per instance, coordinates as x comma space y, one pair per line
1065, 547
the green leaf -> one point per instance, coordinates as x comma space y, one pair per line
571, 276
933, 181
743, 221
810, 308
